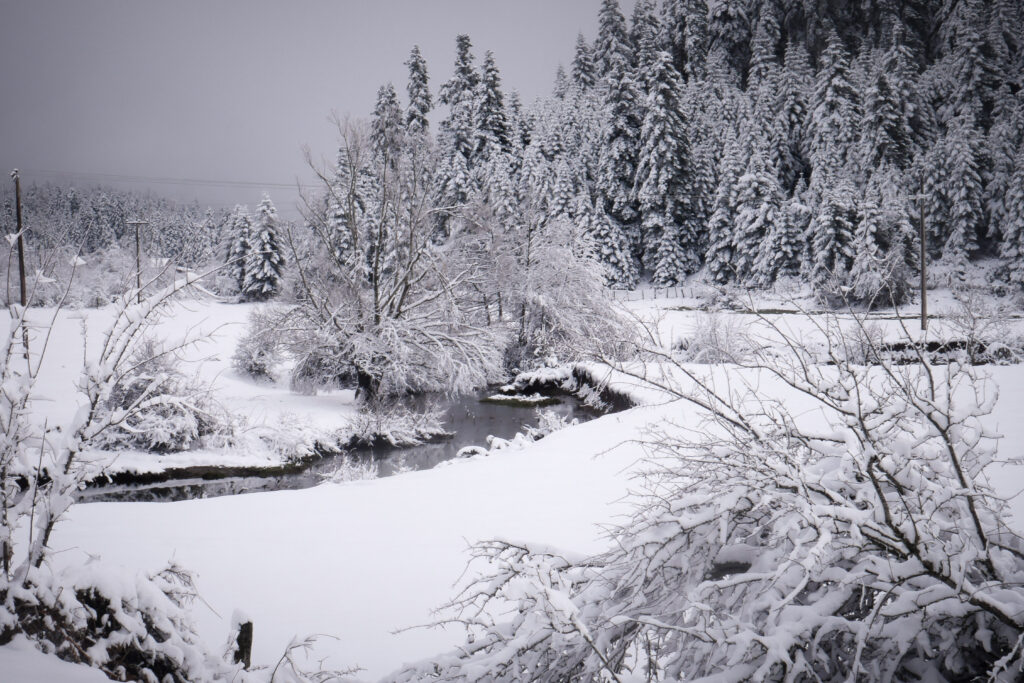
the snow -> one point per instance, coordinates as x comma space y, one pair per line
367, 561
276, 420
21, 662
360, 560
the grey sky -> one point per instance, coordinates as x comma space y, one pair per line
232, 90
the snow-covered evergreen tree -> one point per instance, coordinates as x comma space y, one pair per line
831, 234
884, 243
265, 262
758, 212
418, 89
611, 248
584, 72
492, 133
239, 234
783, 249
1011, 247
788, 144
719, 259
386, 127
669, 219
835, 111
458, 138
613, 53
729, 32
645, 35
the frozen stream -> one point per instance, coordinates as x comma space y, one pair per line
471, 420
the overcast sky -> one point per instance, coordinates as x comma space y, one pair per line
232, 90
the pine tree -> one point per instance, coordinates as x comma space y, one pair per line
668, 217
611, 247
887, 136
831, 234
884, 243
1011, 247
696, 40
459, 94
764, 61
613, 52
963, 191
788, 145
420, 102
645, 35
386, 125
719, 259
729, 35
620, 148
758, 210
835, 109
239, 229
1004, 140
783, 248
584, 72
492, 131
264, 262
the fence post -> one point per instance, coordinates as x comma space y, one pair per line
244, 652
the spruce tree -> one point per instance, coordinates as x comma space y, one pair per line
719, 259
645, 34
1011, 247
883, 245
729, 41
458, 139
669, 219
386, 125
420, 102
492, 132
584, 72
782, 250
788, 145
963, 191
264, 262
611, 248
831, 234
757, 211
239, 229
613, 53
835, 110
620, 148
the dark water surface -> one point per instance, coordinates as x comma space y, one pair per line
471, 421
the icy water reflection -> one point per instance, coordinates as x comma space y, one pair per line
471, 420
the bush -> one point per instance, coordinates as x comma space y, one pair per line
259, 351
166, 411
716, 338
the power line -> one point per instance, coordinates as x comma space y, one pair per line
193, 182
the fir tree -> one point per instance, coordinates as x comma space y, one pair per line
831, 234
611, 249
645, 34
764, 61
492, 131
459, 94
264, 262
620, 148
584, 72
884, 243
719, 259
729, 36
386, 125
835, 109
782, 250
613, 53
420, 102
757, 209
788, 145
668, 217
1011, 247
239, 229
962, 188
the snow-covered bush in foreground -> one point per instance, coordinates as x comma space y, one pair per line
866, 545
716, 338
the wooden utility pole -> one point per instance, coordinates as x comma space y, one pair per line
924, 261
21, 259
138, 260
21, 238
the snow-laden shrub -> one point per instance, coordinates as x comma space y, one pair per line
259, 351
863, 543
716, 338
350, 469
395, 425
984, 330
549, 422
165, 410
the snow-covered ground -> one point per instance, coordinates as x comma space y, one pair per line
364, 560
276, 420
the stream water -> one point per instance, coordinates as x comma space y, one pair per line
471, 420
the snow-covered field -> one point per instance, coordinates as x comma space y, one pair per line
276, 420
363, 561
